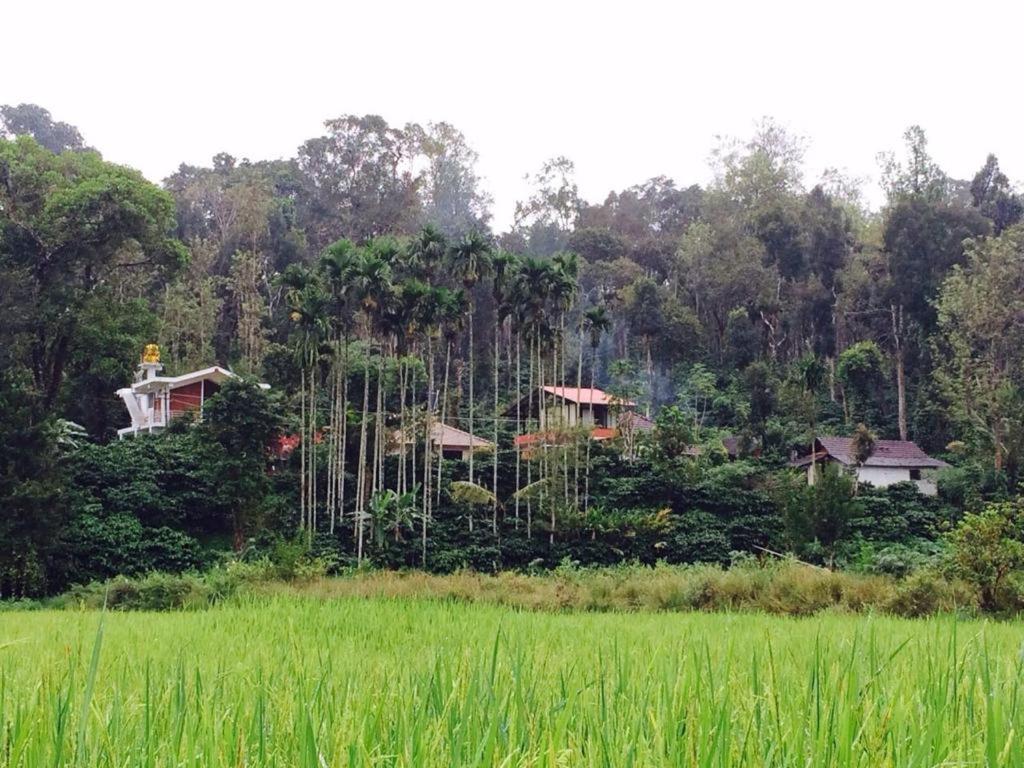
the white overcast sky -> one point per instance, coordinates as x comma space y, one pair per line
628, 90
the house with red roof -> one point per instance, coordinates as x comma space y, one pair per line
555, 410
556, 407
890, 462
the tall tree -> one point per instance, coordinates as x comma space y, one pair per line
980, 346
471, 260
32, 120
70, 225
994, 197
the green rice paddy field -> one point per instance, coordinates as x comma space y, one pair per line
295, 681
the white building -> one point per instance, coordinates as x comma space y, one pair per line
153, 401
890, 462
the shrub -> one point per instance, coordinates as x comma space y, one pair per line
986, 549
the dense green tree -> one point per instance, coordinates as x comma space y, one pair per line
993, 196
244, 421
980, 347
71, 225
32, 120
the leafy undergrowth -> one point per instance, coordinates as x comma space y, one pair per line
785, 588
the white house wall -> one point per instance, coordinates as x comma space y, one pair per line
883, 477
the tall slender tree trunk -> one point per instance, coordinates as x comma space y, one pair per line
564, 412
312, 449
428, 426
650, 376
302, 447
412, 418
332, 439
494, 468
444, 415
901, 385
361, 477
403, 453
529, 463
472, 375
579, 430
519, 419
344, 434
586, 481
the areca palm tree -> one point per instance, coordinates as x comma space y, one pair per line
307, 305
431, 316
426, 252
337, 264
470, 258
503, 266
565, 271
596, 322
371, 281
532, 294
452, 315
406, 312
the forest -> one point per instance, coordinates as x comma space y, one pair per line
730, 323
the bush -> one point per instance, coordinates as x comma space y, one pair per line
927, 592
986, 550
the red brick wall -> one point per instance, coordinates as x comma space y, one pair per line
186, 398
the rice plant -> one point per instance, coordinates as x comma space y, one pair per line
290, 681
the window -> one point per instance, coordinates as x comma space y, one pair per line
915, 474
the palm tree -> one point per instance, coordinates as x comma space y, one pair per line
533, 290
503, 266
372, 285
338, 266
565, 270
453, 313
407, 312
431, 316
596, 321
470, 258
308, 310
425, 252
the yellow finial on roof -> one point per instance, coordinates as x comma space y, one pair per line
151, 354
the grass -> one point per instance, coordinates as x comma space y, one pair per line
787, 588
299, 681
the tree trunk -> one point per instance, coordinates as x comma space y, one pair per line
302, 447
344, 434
429, 422
494, 474
444, 415
312, 449
586, 481
471, 377
519, 419
901, 387
579, 430
529, 415
361, 477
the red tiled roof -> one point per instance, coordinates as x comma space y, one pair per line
558, 438
587, 396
